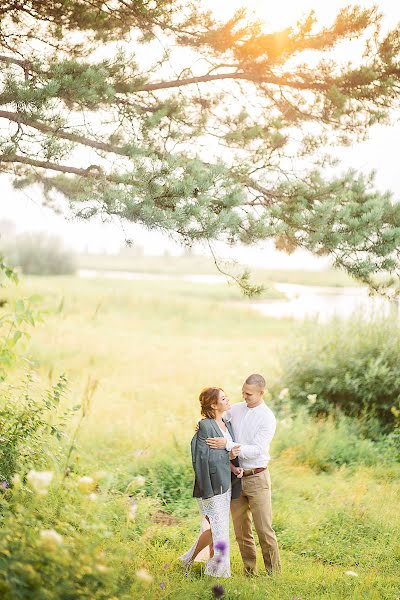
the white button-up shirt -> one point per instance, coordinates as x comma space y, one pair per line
253, 429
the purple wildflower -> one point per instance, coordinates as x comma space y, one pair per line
218, 591
162, 585
4, 485
165, 566
221, 546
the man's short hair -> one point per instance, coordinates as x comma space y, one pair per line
256, 379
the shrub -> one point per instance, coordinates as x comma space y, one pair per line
39, 254
350, 367
28, 426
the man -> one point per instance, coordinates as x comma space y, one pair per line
253, 427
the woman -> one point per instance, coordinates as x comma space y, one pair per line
212, 487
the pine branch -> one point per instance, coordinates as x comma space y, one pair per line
241, 75
91, 172
60, 133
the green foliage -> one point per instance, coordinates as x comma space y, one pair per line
170, 479
348, 366
30, 427
51, 545
39, 254
146, 159
14, 322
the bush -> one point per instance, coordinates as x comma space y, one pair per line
28, 427
350, 367
39, 254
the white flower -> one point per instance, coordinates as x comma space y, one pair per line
132, 510
139, 480
100, 475
101, 568
40, 481
144, 576
312, 398
92, 496
86, 484
16, 480
50, 539
284, 394
351, 573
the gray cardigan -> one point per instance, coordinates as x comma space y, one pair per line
211, 466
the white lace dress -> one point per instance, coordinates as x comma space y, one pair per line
216, 509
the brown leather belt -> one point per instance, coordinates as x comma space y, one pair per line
253, 471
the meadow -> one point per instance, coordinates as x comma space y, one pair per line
137, 354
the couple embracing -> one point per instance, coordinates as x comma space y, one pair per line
230, 455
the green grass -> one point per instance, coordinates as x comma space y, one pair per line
151, 346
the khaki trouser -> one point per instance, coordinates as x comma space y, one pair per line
255, 501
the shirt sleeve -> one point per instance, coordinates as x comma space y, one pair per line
228, 415
229, 445
261, 440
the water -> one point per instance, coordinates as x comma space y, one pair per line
323, 303
302, 301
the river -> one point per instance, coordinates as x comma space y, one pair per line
302, 301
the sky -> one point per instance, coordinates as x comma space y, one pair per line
379, 153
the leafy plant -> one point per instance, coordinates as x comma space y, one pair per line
351, 367
28, 426
14, 322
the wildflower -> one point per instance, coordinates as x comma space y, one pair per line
165, 566
284, 394
101, 568
312, 398
100, 475
221, 546
132, 510
139, 480
86, 484
218, 591
162, 585
4, 485
144, 576
50, 539
139, 452
92, 496
39, 481
16, 480
351, 573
